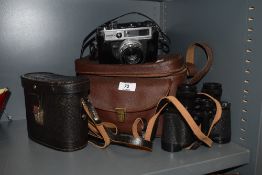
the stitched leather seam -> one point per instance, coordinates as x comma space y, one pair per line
134, 74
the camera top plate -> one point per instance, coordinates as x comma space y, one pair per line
127, 33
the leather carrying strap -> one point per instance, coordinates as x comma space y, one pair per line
190, 61
101, 135
188, 118
101, 131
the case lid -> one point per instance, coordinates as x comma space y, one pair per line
54, 83
166, 65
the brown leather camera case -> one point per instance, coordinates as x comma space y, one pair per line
152, 82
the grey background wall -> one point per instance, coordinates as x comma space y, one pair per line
46, 36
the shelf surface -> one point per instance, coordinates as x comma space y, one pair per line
21, 156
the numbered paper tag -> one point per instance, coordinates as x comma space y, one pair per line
124, 86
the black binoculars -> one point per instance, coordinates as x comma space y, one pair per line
176, 133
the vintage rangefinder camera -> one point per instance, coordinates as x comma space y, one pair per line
127, 43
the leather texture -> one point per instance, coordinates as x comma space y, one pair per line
54, 112
102, 136
153, 81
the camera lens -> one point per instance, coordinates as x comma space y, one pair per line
213, 89
131, 52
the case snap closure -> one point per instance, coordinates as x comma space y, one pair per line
121, 114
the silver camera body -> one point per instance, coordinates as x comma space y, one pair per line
128, 33
127, 43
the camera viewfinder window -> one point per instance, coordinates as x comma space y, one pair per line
132, 33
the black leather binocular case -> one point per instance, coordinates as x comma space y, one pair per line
55, 116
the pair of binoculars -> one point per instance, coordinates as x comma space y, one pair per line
176, 133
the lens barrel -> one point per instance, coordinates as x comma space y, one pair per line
214, 89
186, 94
131, 52
176, 133
221, 133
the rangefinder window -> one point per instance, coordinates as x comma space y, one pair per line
132, 33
